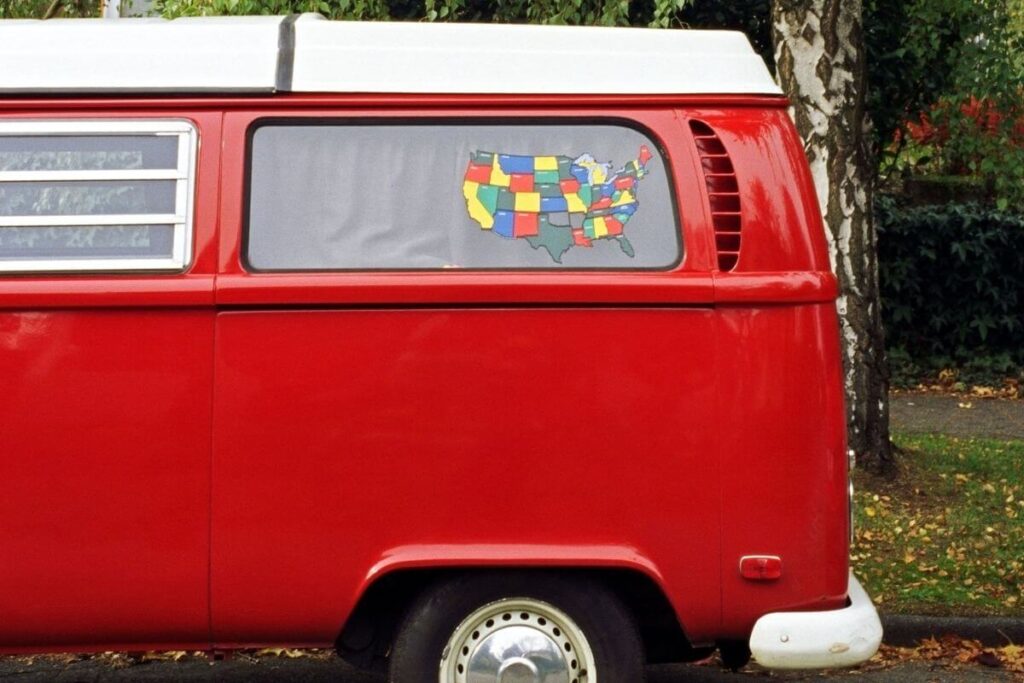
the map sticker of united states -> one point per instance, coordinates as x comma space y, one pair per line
553, 202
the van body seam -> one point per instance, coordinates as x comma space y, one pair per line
285, 54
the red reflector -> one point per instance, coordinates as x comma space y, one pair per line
760, 567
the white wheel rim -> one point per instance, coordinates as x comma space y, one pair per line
517, 640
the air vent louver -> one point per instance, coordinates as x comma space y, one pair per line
723, 193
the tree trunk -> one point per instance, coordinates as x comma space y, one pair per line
819, 51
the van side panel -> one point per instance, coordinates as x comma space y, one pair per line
781, 419
783, 458
105, 434
105, 464
346, 437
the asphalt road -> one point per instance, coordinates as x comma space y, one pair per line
331, 670
964, 417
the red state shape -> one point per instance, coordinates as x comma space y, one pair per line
526, 225
602, 203
645, 155
579, 239
625, 183
614, 226
569, 185
479, 173
521, 182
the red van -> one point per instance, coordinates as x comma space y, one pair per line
477, 352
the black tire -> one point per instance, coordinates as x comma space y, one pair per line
735, 654
433, 618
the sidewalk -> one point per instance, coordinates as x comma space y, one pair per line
965, 417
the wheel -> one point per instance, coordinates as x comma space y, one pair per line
523, 627
735, 654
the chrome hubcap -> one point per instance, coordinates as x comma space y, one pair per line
517, 640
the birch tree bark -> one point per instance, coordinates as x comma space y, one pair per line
819, 52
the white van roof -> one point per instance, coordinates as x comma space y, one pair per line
310, 54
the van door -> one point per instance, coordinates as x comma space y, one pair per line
446, 339
106, 337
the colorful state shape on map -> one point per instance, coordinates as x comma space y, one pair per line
554, 202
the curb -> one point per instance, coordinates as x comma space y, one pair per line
909, 630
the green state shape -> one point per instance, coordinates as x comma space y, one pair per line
586, 194
548, 189
625, 245
564, 168
542, 177
506, 200
483, 158
488, 196
554, 240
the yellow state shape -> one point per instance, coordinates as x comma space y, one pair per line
600, 229
528, 202
499, 177
625, 198
576, 204
597, 174
477, 211
545, 164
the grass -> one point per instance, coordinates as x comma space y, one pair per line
946, 535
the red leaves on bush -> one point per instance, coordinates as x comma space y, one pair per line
924, 132
985, 114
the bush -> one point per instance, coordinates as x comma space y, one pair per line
952, 283
974, 139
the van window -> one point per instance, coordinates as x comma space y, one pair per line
87, 196
345, 195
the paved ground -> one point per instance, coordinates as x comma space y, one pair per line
267, 670
938, 414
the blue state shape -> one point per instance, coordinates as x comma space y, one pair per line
553, 204
504, 224
515, 164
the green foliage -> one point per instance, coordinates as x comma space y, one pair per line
750, 16
589, 12
980, 369
960, 63
42, 9
577, 12
977, 139
913, 47
333, 9
952, 288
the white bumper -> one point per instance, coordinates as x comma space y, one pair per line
819, 640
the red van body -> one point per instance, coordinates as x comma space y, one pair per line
222, 458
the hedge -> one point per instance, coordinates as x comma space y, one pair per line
952, 284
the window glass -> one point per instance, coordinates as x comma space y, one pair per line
88, 197
92, 153
415, 196
95, 195
87, 241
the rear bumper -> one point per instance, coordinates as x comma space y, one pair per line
819, 640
